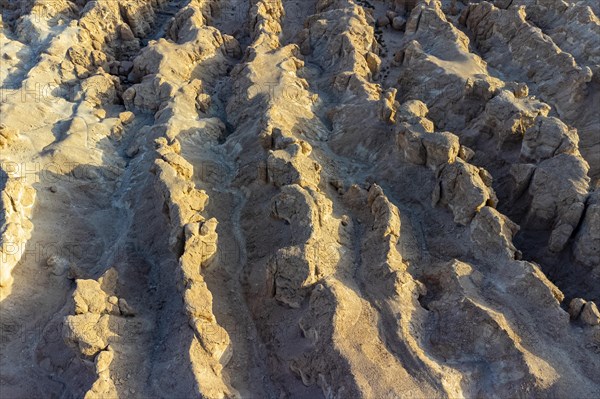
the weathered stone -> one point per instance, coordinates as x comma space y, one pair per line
399, 23
89, 297
590, 314
575, 307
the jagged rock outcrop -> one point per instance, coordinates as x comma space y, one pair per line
185, 202
507, 34
88, 331
465, 189
292, 166
548, 137
508, 115
587, 240
420, 144
557, 188
493, 231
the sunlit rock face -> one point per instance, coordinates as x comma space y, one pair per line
299, 199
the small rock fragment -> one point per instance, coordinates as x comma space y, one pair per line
466, 153
125, 67
58, 264
383, 21
590, 314
89, 297
100, 113
125, 33
104, 359
575, 307
398, 23
126, 117
125, 308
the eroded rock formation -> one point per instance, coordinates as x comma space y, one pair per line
283, 198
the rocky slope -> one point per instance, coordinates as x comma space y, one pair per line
285, 198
